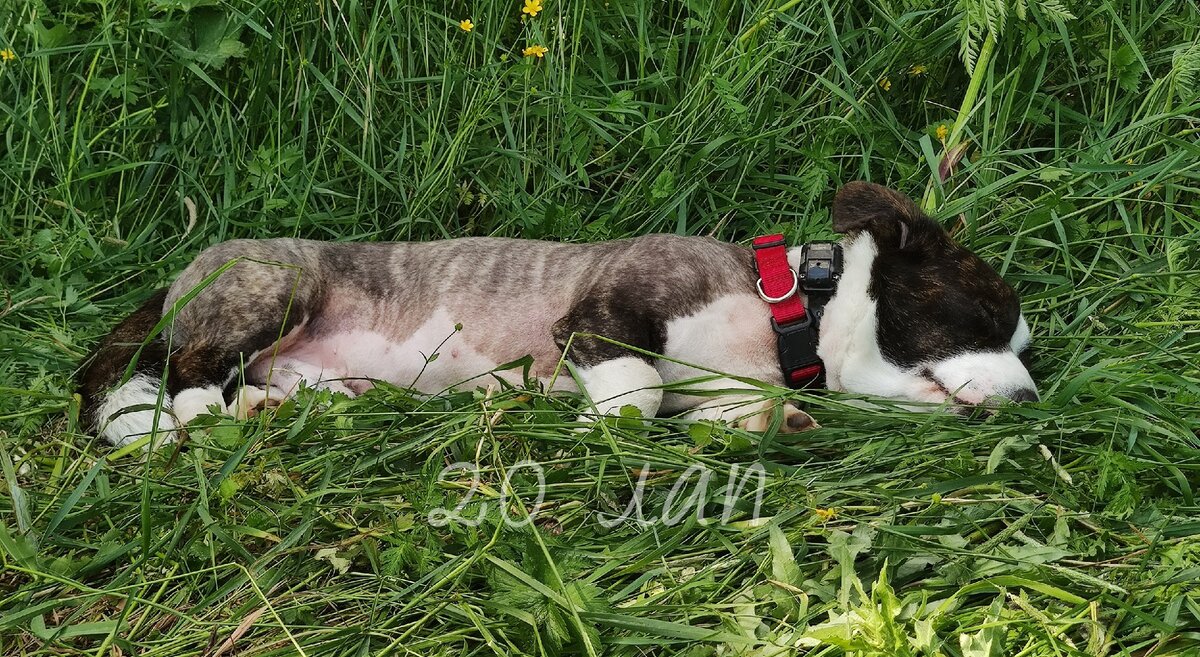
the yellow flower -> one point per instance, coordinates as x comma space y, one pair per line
535, 51
942, 131
532, 7
466, 25
917, 69
885, 84
825, 514
7, 54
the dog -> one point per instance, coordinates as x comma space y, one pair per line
904, 313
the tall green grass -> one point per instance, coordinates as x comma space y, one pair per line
133, 134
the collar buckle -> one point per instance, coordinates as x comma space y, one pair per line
797, 345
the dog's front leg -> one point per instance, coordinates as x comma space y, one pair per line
596, 335
624, 381
752, 413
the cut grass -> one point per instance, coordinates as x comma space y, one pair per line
134, 134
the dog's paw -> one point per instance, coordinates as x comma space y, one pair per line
337, 386
756, 416
194, 402
251, 400
796, 420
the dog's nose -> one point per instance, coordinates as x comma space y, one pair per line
1024, 395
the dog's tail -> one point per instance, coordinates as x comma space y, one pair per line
125, 411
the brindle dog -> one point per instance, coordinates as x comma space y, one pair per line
915, 317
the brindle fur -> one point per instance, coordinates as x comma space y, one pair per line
277, 285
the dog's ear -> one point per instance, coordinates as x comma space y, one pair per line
889, 216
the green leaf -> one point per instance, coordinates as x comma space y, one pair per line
1004, 447
182, 5
729, 99
989, 641
20, 548
339, 564
49, 37
20, 503
783, 562
663, 186
701, 433
845, 548
227, 490
214, 39
784, 570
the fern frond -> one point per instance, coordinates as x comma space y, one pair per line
1055, 10
1185, 68
969, 47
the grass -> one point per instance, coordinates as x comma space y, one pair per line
136, 133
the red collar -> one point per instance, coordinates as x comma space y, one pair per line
795, 328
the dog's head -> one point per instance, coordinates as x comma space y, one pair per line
916, 316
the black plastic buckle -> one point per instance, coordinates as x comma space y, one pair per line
797, 344
822, 267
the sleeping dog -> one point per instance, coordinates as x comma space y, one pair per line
897, 310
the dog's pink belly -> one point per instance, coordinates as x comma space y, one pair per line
432, 359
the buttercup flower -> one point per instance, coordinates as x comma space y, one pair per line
535, 51
942, 131
532, 7
825, 514
466, 25
885, 84
7, 54
917, 69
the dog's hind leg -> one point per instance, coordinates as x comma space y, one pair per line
201, 378
263, 292
121, 410
274, 378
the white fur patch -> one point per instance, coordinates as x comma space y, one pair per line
127, 427
1021, 336
621, 382
193, 402
974, 377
